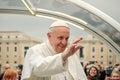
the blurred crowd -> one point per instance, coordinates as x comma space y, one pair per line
11, 74
94, 71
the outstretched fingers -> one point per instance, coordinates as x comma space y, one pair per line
74, 48
77, 40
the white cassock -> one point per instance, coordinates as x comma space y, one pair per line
43, 63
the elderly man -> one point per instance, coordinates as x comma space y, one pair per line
54, 59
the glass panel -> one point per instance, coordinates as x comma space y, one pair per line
77, 12
69, 10
12, 4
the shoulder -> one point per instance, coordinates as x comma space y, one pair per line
37, 46
36, 49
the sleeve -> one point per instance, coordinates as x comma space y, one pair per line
27, 68
49, 65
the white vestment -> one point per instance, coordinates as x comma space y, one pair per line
43, 63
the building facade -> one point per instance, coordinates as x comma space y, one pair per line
95, 50
13, 47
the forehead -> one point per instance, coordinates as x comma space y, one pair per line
113, 74
60, 29
93, 68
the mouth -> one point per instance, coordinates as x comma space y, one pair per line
93, 73
61, 46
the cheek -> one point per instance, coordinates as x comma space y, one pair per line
54, 42
93, 72
51, 39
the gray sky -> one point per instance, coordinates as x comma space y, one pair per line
37, 27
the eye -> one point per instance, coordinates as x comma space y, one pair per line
67, 38
60, 37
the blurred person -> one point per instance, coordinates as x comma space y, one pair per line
115, 75
54, 59
10, 74
93, 73
108, 72
102, 73
117, 64
86, 68
101, 70
118, 67
98, 64
108, 76
20, 67
7, 66
95, 63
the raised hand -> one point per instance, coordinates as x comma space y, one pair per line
71, 49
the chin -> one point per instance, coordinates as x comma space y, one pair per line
60, 51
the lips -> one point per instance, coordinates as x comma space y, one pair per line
61, 46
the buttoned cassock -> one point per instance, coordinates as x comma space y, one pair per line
43, 63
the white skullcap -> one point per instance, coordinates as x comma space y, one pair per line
59, 23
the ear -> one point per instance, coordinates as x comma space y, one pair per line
48, 35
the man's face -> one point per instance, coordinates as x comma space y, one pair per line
59, 38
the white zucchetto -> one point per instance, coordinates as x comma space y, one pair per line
59, 23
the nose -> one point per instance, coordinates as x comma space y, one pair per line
64, 41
